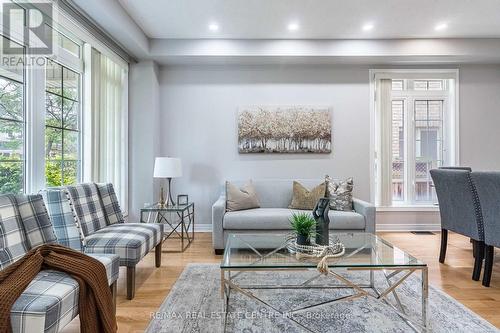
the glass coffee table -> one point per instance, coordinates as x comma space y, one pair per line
363, 252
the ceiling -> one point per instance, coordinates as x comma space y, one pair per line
316, 19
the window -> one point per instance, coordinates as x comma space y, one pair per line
62, 125
12, 128
417, 135
40, 149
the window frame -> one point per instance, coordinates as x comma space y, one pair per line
450, 132
24, 121
79, 129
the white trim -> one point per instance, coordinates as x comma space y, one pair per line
408, 227
373, 158
375, 74
202, 228
125, 174
74, 27
425, 208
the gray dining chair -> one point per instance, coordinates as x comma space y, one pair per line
460, 211
488, 190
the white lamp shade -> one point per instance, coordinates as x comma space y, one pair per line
167, 167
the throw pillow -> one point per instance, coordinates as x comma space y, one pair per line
241, 198
305, 199
340, 194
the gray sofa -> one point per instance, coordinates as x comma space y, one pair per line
274, 197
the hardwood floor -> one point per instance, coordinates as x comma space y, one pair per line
454, 277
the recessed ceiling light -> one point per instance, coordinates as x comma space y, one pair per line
294, 26
441, 26
368, 27
213, 26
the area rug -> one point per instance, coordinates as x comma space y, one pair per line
195, 305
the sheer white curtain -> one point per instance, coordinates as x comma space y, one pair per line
109, 125
384, 144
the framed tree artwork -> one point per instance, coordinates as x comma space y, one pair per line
284, 129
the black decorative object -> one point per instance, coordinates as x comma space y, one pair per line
320, 214
182, 199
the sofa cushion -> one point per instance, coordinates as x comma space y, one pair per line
130, 241
112, 210
35, 219
63, 218
278, 219
13, 243
87, 204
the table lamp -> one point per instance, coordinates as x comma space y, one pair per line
167, 167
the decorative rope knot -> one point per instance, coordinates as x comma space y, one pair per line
315, 251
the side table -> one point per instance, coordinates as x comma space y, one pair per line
176, 221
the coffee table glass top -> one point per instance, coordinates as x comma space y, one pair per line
268, 251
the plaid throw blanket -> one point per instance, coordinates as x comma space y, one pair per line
95, 300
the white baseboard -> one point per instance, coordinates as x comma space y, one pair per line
408, 227
203, 228
380, 227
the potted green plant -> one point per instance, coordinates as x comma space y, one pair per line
304, 226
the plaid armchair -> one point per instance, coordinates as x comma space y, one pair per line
92, 212
50, 301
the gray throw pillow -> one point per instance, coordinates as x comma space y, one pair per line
340, 193
241, 198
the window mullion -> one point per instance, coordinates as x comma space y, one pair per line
410, 152
35, 147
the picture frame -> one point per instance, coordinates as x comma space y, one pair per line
182, 199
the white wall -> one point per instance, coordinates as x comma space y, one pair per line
144, 125
480, 117
198, 121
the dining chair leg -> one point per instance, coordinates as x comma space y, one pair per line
488, 265
478, 259
444, 243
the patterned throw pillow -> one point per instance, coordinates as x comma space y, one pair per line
88, 208
110, 202
13, 244
304, 198
241, 198
37, 225
63, 217
340, 193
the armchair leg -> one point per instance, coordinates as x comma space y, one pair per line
478, 260
130, 282
488, 265
444, 244
113, 294
158, 254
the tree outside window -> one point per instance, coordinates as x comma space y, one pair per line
62, 135
11, 136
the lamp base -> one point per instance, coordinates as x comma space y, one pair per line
170, 201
